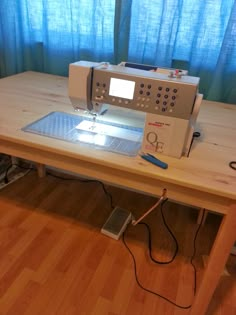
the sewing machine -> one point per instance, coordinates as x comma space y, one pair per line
168, 97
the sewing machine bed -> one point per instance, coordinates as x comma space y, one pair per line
103, 135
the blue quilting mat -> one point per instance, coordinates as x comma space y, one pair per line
68, 127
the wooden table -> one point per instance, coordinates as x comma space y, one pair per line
203, 180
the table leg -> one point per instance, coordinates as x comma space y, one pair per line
41, 169
218, 257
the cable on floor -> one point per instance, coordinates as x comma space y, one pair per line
150, 239
6, 180
155, 261
88, 181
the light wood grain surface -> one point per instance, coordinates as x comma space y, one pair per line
29, 96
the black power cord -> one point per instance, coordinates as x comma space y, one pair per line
195, 250
150, 239
196, 134
158, 262
6, 180
232, 165
88, 181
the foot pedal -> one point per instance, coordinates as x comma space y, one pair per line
116, 223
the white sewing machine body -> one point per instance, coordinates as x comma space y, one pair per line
171, 102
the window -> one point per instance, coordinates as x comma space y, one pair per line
86, 25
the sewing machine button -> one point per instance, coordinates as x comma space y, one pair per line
175, 90
98, 98
167, 89
148, 93
148, 99
157, 102
156, 107
141, 92
172, 104
160, 88
173, 97
143, 99
158, 95
166, 96
149, 86
163, 109
142, 85
164, 103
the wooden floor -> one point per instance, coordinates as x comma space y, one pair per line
54, 260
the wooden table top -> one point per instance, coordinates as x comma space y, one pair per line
29, 96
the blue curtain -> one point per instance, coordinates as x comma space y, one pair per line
198, 35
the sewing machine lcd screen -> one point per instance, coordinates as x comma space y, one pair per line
122, 88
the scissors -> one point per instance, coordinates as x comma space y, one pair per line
152, 159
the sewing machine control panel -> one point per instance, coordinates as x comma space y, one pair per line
145, 91
170, 101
